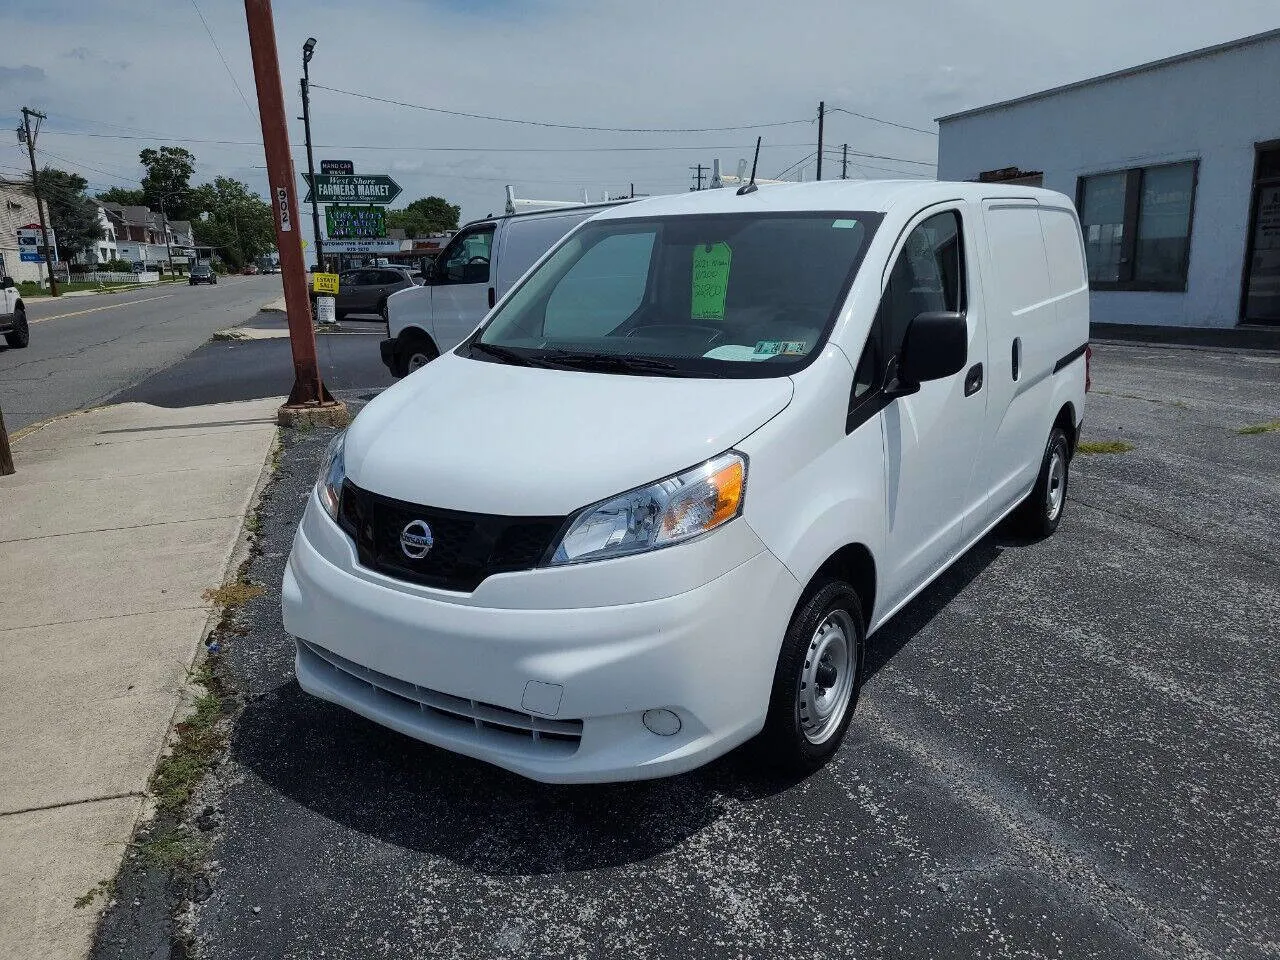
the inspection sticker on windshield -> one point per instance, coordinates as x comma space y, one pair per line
783, 348
843, 224
710, 280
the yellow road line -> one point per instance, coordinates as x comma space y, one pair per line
109, 306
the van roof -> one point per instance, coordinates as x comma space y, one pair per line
550, 211
871, 195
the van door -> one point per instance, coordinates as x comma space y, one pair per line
460, 285
1021, 321
932, 438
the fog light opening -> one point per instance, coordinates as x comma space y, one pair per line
665, 723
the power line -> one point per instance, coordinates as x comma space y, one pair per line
881, 156
409, 148
557, 126
85, 166
226, 66
798, 163
887, 123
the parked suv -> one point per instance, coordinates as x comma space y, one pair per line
366, 290
13, 315
655, 504
202, 273
480, 264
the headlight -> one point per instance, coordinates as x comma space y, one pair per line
333, 470
670, 511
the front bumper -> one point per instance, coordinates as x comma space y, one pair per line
553, 694
387, 349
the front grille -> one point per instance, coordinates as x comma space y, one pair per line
431, 711
466, 547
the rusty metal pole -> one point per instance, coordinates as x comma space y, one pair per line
308, 398
6, 454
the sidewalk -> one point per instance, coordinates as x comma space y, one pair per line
116, 522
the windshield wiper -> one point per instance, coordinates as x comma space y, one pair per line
617, 363
505, 354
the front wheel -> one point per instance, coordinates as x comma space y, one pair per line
1038, 516
413, 351
20, 335
816, 683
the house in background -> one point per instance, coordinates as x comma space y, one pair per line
1175, 169
17, 209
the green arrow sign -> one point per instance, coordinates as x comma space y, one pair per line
331, 188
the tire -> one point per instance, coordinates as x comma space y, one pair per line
801, 731
1039, 514
20, 335
413, 350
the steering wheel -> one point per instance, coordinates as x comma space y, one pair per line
478, 260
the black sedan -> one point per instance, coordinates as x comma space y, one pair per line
202, 273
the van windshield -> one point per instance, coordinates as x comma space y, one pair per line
735, 295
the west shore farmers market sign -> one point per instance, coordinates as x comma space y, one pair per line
331, 188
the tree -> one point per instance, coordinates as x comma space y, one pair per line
124, 196
425, 215
239, 223
167, 182
73, 216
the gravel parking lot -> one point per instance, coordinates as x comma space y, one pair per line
1064, 749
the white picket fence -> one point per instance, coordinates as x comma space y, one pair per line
111, 277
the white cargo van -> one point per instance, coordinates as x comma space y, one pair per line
655, 505
475, 269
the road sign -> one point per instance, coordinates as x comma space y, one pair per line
378, 188
355, 223
340, 167
362, 246
325, 283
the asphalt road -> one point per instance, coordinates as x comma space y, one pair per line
1063, 749
85, 349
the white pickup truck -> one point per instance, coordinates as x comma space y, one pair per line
13, 315
480, 264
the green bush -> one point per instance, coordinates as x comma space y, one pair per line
29, 288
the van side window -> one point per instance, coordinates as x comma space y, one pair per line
928, 277
466, 259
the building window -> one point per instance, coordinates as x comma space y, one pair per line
1137, 226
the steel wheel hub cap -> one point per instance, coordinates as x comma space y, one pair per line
826, 680
418, 360
1057, 483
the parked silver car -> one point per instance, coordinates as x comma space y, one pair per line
365, 290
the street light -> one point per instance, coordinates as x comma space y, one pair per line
308, 49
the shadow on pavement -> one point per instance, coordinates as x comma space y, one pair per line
416, 796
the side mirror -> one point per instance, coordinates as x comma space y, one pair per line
936, 346
8, 283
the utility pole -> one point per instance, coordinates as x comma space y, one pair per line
6, 455
168, 248
308, 49
822, 110
699, 168
29, 135
844, 162
308, 401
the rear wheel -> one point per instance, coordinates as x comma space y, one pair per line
816, 683
413, 350
1038, 515
20, 335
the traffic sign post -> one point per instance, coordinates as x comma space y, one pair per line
332, 188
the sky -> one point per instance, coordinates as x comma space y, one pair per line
117, 76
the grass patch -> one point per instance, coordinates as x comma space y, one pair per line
101, 889
1089, 448
233, 594
227, 335
198, 741
1270, 426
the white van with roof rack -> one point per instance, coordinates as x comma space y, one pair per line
654, 506
478, 266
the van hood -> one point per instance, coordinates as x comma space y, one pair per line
470, 435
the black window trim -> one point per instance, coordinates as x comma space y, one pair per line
459, 238
1132, 211
863, 408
